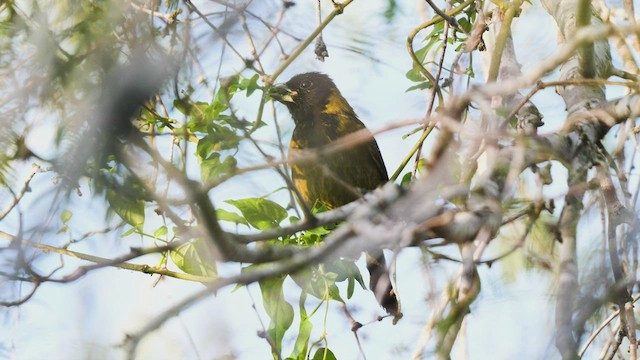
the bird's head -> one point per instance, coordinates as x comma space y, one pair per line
306, 94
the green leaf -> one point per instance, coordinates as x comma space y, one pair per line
250, 85
229, 216
131, 210
415, 75
196, 258
465, 25
197, 111
211, 168
279, 311
346, 269
236, 123
313, 236
421, 54
129, 232
421, 86
351, 284
406, 179
218, 138
304, 332
324, 354
162, 230
220, 103
261, 213
65, 216
182, 105
318, 283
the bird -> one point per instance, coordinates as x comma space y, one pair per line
322, 116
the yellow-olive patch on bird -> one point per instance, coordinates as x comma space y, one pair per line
322, 116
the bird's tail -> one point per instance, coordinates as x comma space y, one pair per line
380, 283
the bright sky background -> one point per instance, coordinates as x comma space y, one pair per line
87, 319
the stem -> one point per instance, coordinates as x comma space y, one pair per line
501, 40
123, 265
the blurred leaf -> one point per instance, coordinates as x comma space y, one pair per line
390, 11
250, 84
421, 54
195, 110
422, 86
236, 123
415, 75
133, 230
346, 269
318, 283
323, 354
465, 25
406, 179
537, 252
279, 311
218, 138
128, 208
196, 258
211, 168
162, 230
65, 216
304, 332
469, 71
261, 213
221, 100
313, 236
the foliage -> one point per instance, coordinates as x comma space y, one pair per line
165, 155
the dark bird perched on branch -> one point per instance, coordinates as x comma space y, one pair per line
322, 116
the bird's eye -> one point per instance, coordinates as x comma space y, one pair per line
305, 84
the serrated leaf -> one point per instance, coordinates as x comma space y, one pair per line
197, 111
129, 209
250, 84
196, 258
261, 213
220, 102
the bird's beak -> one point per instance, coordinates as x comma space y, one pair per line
282, 93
